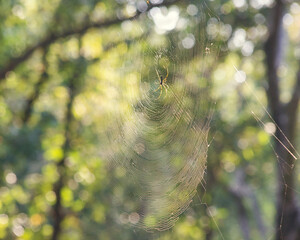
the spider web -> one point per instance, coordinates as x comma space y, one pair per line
160, 139
160, 135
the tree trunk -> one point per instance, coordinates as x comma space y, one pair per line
287, 212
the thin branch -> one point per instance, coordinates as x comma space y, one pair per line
242, 212
58, 211
37, 89
44, 76
111, 46
240, 191
257, 213
14, 62
58, 214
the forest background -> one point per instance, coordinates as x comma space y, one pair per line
73, 72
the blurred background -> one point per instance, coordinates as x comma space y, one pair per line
135, 119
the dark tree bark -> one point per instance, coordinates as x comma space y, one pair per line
58, 211
36, 92
240, 191
241, 212
284, 115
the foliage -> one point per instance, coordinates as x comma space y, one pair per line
74, 73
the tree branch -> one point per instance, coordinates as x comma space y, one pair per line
44, 76
30, 101
58, 211
240, 190
242, 212
14, 62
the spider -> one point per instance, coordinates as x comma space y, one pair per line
162, 82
